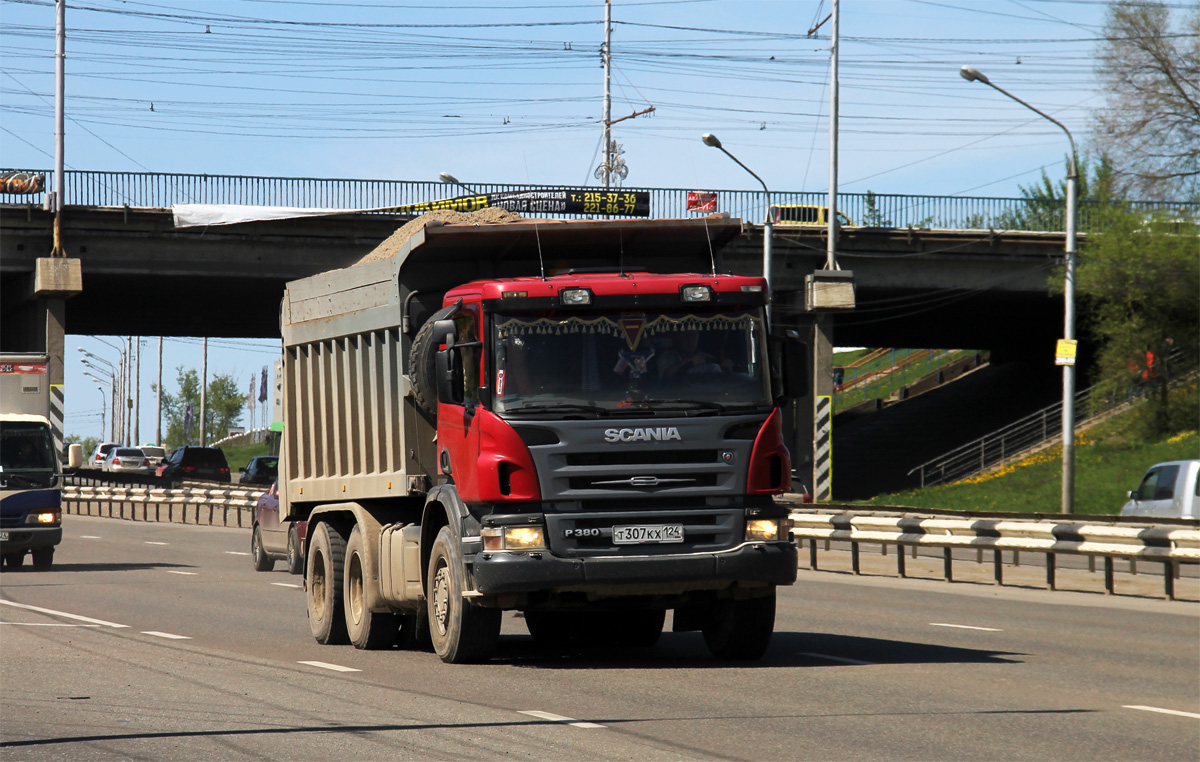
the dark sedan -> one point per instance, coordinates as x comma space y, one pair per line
261, 469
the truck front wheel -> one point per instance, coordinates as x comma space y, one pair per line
367, 629
461, 633
741, 630
326, 560
43, 558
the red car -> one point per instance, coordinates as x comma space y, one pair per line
274, 540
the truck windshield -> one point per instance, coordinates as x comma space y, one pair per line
26, 446
677, 363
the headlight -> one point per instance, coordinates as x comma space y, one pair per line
45, 517
765, 530
513, 538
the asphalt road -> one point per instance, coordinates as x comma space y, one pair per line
159, 641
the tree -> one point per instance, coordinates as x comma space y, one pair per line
1150, 124
1136, 282
225, 404
1046, 200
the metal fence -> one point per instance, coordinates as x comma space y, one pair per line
161, 190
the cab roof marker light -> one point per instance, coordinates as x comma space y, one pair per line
695, 293
514, 294
752, 289
575, 297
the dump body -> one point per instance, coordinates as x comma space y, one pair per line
30, 489
470, 436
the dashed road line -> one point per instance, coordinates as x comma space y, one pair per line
166, 635
189, 574
156, 543
47, 624
286, 584
1175, 712
841, 659
90, 537
236, 553
52, 612
964, 627
327, 665
559, 718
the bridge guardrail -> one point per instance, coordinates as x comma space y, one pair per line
1169, 544
161, 190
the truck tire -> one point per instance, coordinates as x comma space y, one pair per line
461, 633
295, 559
368, 630
262, 562
640, 628
741, 630
326, 563
14, 560
43, 558
422, 364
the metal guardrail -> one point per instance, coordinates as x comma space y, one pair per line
186, 505
1166, 544
161, 190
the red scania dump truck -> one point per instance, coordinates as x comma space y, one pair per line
576, 420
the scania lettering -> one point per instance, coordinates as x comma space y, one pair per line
510, 417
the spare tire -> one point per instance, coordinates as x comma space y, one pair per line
422, 363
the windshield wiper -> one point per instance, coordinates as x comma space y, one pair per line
704, 405
581, 407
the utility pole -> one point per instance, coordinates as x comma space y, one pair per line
204, 397
60, 58
606, 57
158, 440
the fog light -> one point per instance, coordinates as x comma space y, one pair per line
523, 538
696, 293
763, 530
575, 297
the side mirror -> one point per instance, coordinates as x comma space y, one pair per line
449, 375
1131, 494
75, 455
791, 361
444, 332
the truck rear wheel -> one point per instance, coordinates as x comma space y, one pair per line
262, 561
366, 629
326, 560
14, 560
43, 558
461, 633
741, 630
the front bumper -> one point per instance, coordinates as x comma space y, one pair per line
29, 538
771, 563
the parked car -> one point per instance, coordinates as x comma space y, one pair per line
805, 214
126, 460
155, 455
262, 469
1169, 490
273, 540
96, 460
196, 463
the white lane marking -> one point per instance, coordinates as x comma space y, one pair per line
52, 612
327, 665
285, 584
842, 659
964, 627
166, 635
235, 553
559, 718
189, 574
90, 537
48, 624
1175, 712
156, 543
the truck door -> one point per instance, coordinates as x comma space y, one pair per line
458, 426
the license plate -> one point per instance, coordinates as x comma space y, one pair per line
640, 535
3, 536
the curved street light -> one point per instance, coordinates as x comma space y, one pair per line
714, 142
971, 74
450, 179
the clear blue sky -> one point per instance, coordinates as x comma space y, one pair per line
510, 91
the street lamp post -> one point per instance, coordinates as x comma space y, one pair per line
971, 74
111, 394
450, 179
103, 411
711, 140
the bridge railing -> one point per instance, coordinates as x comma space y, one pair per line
161, 190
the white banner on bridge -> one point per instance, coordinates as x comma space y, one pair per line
196, 215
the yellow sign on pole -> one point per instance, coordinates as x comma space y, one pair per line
1064, 352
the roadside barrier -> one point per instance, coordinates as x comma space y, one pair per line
1170, 545
226, 507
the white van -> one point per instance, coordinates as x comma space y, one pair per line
1170, 490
